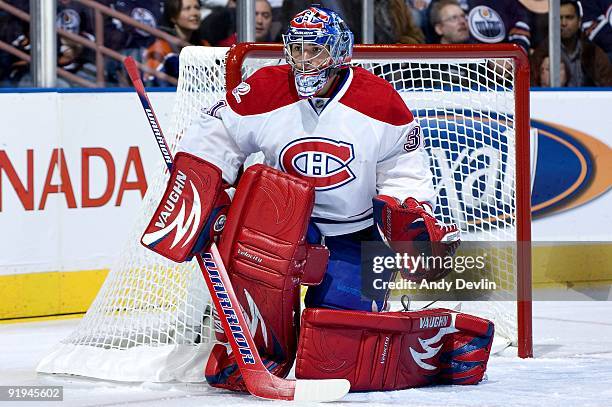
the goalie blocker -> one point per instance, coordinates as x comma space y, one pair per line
393, 350
410, 227
191, 211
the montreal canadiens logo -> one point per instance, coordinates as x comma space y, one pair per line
310, 18
324, 161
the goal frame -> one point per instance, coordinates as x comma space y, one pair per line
240, 52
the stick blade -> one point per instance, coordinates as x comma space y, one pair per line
321, 390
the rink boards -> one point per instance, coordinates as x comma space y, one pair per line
98, 148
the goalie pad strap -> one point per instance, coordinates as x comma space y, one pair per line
394, 350
315, 266
264, 250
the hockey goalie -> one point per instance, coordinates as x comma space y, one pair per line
343, 163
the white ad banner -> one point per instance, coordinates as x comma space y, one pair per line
74, 168
571, 197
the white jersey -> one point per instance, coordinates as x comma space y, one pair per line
362, 143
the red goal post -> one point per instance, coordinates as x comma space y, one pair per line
238, 55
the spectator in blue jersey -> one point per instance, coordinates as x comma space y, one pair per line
493, 21
125, 38
73, 57
538, 10
597, 23
76, 18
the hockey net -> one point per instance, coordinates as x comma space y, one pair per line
151, 320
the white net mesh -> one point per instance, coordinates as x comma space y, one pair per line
151, 319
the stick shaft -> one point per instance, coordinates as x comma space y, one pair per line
132, 70
259, 381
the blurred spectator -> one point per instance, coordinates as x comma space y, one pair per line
128, 40
540, 71
538, 10
218, 3
263, 21
277, 7
597, 23
418, 8
15, 32
394, 23
449, 22
588, 64
124, 36
487, 22
219, 27
74, 57
181, 19
421, 10
493, 21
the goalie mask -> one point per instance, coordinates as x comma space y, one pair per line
317, 44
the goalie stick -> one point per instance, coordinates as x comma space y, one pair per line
259, 381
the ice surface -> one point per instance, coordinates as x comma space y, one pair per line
572, 366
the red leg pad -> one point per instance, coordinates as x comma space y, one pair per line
391, 350
264, 250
